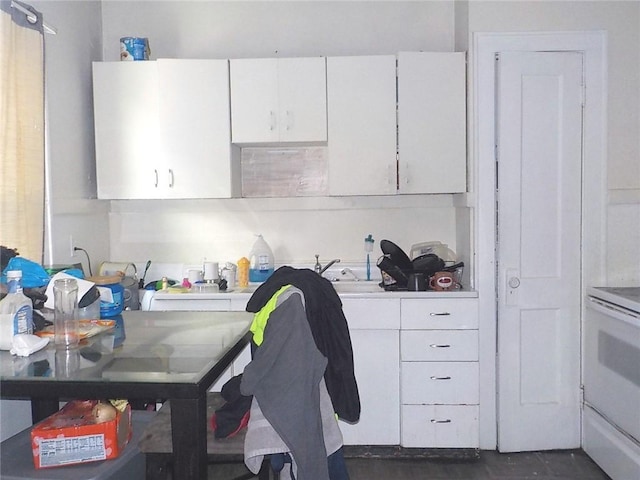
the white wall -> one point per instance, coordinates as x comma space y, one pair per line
621, 21
73, 212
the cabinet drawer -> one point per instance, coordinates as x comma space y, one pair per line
439, 313
440, 426
440, 383
439, 345
372, 313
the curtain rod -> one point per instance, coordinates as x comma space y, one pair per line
31, 17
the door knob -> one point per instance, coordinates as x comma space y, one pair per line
514, 282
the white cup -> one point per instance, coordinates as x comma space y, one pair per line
194, 276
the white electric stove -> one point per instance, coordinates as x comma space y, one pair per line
611, 375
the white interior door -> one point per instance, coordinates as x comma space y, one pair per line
539, 150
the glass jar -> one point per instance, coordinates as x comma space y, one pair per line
65, 316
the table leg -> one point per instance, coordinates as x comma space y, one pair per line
41, 408
189, 437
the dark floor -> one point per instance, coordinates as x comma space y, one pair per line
556, 465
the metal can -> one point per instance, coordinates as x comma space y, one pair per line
134, 48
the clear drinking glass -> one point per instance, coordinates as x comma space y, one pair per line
65, 319
67, 362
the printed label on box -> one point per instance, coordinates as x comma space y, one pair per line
61, 451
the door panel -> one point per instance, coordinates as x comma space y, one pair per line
539, 140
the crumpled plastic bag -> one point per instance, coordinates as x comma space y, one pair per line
33, 274
24, 344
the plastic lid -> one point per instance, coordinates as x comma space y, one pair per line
14, 274
105, 280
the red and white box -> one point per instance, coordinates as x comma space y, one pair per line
72, 435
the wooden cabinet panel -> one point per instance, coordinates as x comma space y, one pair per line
162, 130
439, 345
361, 103
125, 102
440, 383
377, 369
277, 100
439, 314
431, 122
440, 426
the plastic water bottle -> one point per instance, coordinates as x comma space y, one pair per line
16, 310
261, 264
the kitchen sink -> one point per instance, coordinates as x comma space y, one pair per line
356, 287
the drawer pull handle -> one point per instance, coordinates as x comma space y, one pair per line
433, 420
433, 377
439, 314
436, 345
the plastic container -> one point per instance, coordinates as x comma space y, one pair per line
115, 306
90, 312
243, 272
16, 311
261, 264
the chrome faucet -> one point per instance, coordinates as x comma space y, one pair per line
319, 269
348, 271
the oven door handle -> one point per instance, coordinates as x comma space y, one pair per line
614, 311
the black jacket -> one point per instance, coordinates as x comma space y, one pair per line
329, 329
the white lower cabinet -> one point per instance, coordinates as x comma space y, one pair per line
374, 329
440, 390
440, 426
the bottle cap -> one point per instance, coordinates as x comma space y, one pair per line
14, 274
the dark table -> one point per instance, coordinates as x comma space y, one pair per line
148, 355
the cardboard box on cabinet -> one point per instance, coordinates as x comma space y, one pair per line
72, 435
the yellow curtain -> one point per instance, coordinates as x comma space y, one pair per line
22, 168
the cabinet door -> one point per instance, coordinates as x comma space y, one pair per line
431, 122
125, 100
278, 100
254, 100
377, 369
195, 128
361, 105
302, 99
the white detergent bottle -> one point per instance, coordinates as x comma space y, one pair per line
261, 264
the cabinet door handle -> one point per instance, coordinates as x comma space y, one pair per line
289, 120
156, 174
439, 345
433, 420
272, 120
439, 314
170, 178
433, 377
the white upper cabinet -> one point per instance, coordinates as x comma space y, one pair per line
195, 130
278, 100
431, 122
162, 129
361, 105
125, 102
